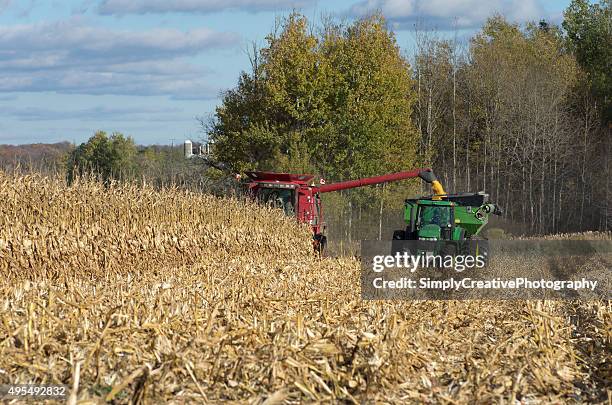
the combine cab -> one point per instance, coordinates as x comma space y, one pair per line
295, 194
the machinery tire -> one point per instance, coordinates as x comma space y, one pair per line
320, 243
323, 245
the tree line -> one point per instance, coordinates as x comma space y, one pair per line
38, 157
110, 157
116, 157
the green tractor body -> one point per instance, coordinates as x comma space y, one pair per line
453, 217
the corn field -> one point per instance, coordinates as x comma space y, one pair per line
132, 295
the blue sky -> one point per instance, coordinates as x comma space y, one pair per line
147, 68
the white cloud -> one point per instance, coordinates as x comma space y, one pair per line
73, 57
445, 14
121, 7
74, 37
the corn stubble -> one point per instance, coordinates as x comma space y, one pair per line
168, 296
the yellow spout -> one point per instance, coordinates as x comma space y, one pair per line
438, 190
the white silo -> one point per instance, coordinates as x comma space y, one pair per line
188, 149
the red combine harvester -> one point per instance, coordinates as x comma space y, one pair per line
299, 196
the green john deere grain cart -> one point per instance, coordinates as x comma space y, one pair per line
446, 217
